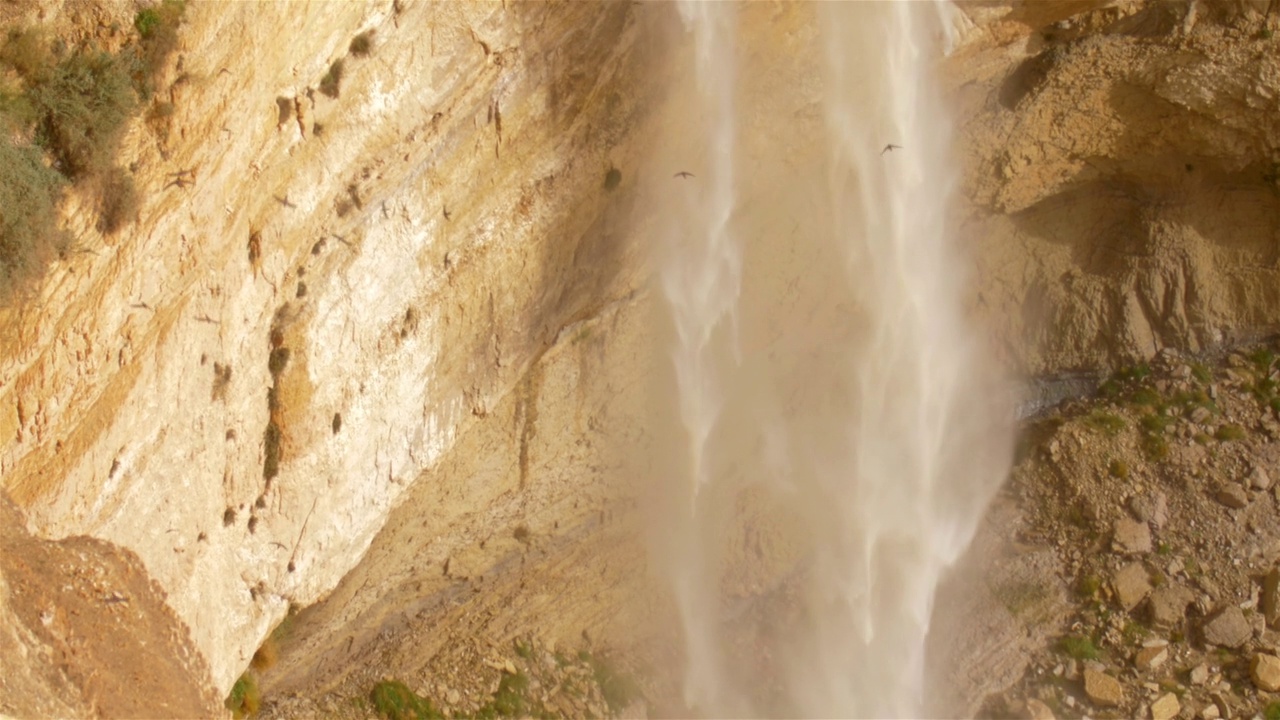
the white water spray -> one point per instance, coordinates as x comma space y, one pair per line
872, 422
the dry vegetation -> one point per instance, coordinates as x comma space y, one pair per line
63, 111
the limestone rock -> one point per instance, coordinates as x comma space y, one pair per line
1199, 674
1233, 496
1037, 710
1160, 513
1259, 479
1229, 628
1271, 598
1210, 712
1169, 605
1103, 689
1132, 537
1151, 658
1166, 708
1131, 585
1265, 672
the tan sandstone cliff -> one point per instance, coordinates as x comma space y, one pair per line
460, 285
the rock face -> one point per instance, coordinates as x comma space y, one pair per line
448, 216
1119, 147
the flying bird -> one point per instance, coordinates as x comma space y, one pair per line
890, 147
683, 174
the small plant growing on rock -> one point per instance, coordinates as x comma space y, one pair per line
1080, 647
331, 83
1229, 432
245, 698
1119, 469
392, 699
118, 201
362, 44
266, 655
612, 179
1090, 585
1108, 423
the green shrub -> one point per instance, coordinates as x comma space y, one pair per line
158, 29
277, 361
1119, 469
331, 83
392, 699
146, 21
1080, 647
1108, 423
612, 179
118, 201
26, 51
1090, 585
1201, 372
1155, 446
362, 44
82, 107
271, 451
619, 690
29, 235
1229, 432
244, 699
1272, 712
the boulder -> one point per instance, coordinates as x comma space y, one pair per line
1037, 710
1151, 658
1102, 689
1131, 585
1169, 605
1265, 672
1131, 537
1166, 708
1229, 628
1233, 496
1271, 598
1259, 479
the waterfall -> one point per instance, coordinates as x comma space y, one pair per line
853, 404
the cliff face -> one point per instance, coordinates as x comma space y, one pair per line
1121, 164
406, 309
240, 388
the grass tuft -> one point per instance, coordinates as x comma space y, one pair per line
1119, 469
1079, 647
1229, 432
392, 699
245, 699
1105, 422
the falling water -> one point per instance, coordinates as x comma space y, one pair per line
855, 400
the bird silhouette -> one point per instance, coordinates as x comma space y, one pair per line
890, 147
684, 174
